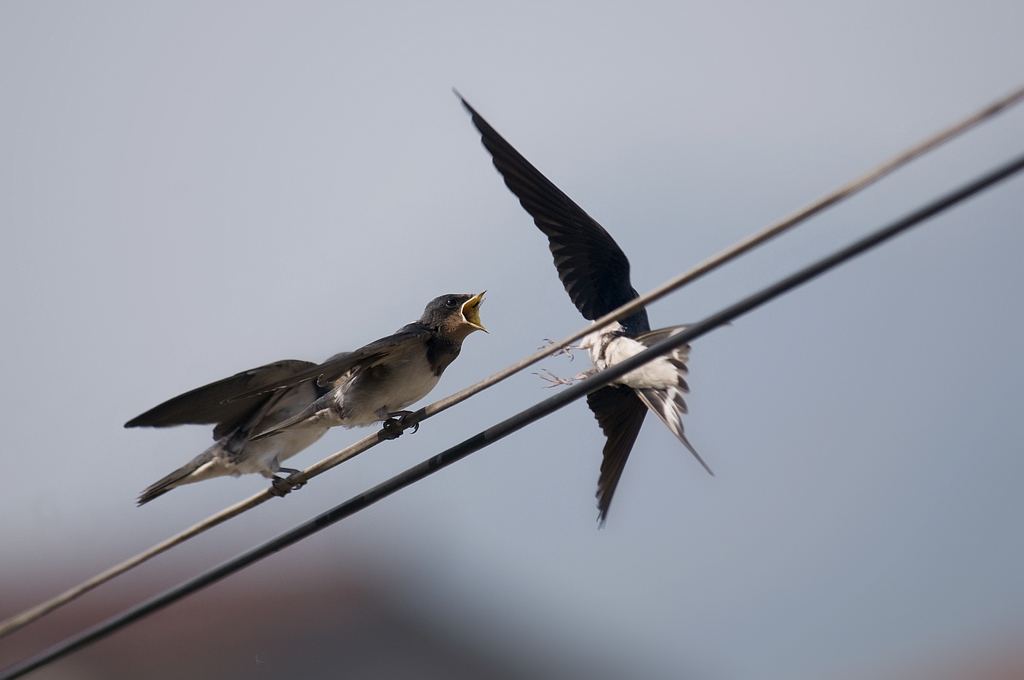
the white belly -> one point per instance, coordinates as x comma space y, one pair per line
607, 349
656, 374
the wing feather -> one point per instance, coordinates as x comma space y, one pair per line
340, 364
591, 265
213, 403
620, 413
669, 406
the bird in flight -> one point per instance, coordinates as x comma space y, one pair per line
595, 273
268, 414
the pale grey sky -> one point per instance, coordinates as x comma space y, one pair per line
188, 190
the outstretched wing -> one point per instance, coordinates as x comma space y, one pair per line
212, 403
591, 265
620, 413
340, 364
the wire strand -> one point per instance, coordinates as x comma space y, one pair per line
512, 424
24, 618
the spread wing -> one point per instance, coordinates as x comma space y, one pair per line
211, 403
591, 265
340, 364
620, 413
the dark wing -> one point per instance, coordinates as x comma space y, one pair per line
340, 364
592, 267
620, 413
210, 403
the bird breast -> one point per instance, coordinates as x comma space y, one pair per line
386, 388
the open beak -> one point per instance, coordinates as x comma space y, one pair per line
471, 311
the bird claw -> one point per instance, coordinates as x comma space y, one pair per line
397, 423
557, 380
390, 429
564, 350
282, 486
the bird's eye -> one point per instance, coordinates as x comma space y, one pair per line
451, 303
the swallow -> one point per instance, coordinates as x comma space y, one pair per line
268, 414
233, 451
595, 273
378, 381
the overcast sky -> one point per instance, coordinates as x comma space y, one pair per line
190, 189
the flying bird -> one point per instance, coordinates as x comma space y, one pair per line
595, 273
268, 414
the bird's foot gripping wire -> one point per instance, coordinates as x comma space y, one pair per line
556, 380
397, 423
281, 486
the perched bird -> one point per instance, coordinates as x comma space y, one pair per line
233, 452
268, 414
595, 273
376, 382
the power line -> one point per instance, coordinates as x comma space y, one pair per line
29, 615
510, 425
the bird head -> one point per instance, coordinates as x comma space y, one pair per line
457, 314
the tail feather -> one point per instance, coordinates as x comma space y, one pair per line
178, 477
669, 406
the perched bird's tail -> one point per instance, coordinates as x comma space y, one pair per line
186, 474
